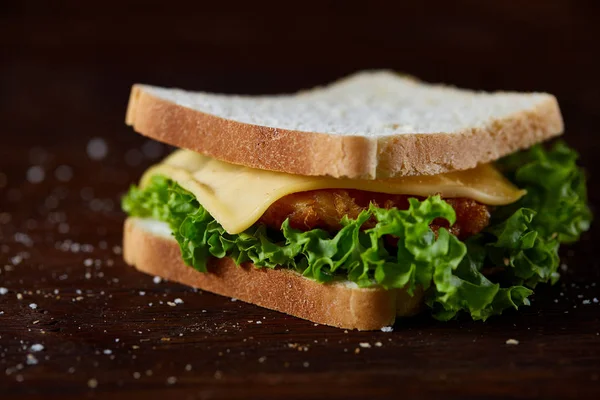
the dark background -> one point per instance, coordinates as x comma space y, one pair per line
66, 68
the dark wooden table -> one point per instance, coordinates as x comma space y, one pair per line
103, 330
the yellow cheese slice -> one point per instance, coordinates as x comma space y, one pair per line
237, 196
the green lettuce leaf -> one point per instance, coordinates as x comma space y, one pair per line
556, 190
483, 276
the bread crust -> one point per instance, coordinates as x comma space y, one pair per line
280, 289
311, 153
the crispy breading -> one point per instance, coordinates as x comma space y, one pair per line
325, 208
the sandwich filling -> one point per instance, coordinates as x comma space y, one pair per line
477, 241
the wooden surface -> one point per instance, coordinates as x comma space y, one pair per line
109, 332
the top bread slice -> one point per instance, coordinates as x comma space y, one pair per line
373, 124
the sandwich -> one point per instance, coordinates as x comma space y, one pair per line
375, 197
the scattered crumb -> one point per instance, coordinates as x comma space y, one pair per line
188, 367
178, 301
3, 291
365, 345
33, 306
136, 375
512, 341
387, 329
31, 360
259, 322
157, 280
356, 350
305, 364
107, 351
92, 383
170, 303
378, 344
36, 347
171, 380
262, 359
233, 299
586, 302
218, 374
35, 174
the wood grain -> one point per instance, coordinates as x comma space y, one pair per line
66, 74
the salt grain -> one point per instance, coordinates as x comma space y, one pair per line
178, 301
36, 347
157, 280
97, 149
35, 174
3, 291
387, 329
33, 306
63, 173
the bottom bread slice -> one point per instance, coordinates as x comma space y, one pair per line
149, 246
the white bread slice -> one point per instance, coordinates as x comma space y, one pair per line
373, 124
149, 246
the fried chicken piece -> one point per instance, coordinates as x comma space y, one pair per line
325, 208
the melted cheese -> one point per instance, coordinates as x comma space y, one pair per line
237, 196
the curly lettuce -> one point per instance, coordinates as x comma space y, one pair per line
482, 276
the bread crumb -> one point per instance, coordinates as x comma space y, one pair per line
136, 375
356, 350
262, 359
512, 342
188, 367
387, 329
365, 345
378, 344
92, 383
218, 374
3, 291
178, 301
171, 380
157, 279
33, 306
